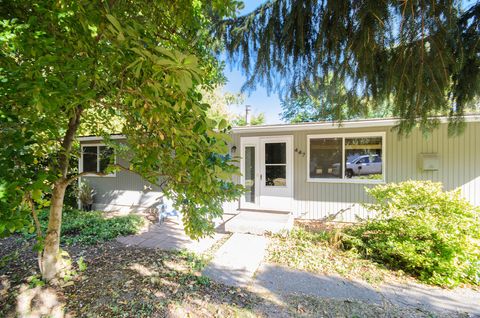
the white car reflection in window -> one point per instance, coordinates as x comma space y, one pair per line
364, 165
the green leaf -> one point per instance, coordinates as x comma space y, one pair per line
223, 124
115, 22
37, 195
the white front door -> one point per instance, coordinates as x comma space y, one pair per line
267, 173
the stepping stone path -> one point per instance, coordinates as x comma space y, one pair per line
237, 260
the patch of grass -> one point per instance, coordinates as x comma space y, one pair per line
320, 252
91, 227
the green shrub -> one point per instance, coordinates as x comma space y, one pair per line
422, 230
91, 227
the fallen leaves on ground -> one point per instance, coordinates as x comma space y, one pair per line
122, 281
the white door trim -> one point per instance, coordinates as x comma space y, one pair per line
263, 194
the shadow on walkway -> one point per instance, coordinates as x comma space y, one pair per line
281, 281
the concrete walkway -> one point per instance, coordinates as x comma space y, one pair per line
237, 260
282, 281
170, 235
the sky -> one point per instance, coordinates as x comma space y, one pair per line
260, 101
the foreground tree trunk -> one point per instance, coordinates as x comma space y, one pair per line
51, 261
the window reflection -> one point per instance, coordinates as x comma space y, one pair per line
363, 158
325, 158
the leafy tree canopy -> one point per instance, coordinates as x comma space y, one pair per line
68, 66
420, 57
220, 103
254, 120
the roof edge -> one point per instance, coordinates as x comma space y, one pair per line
364, 123
100, 138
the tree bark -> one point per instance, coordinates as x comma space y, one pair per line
51, 258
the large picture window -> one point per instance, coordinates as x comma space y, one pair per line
346, 157
96, 158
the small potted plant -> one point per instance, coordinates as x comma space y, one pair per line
85, 194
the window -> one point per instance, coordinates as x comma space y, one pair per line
346, 157
95, 159
276, 164
250, 174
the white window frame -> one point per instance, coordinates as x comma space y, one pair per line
343, 179
113, 174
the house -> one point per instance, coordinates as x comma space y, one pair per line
315, 170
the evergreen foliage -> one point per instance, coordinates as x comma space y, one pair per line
420, 57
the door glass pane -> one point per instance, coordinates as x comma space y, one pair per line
363, 158
276, 176
326, 158
250, 174
90, 159
276, 153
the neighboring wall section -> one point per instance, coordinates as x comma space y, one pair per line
459, 167
126, 191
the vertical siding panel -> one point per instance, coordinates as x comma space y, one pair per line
470, 163
405, 161
393, 164
421, 146
443, 142
475, 165
435, 149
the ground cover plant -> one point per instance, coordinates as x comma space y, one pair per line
429, 233
92, 227
318, 251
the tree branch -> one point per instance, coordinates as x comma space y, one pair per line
67, 142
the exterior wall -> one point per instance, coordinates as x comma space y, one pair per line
126, 191
459, 167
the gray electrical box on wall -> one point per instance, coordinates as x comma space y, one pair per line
429, 162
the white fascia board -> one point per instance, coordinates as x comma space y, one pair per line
332, 125
100, 138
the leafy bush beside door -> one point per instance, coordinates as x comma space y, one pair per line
422, 230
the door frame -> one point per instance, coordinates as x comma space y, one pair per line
258, 142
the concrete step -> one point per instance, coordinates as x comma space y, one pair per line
237, 260
255, 222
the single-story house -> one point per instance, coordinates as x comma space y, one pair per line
314, 170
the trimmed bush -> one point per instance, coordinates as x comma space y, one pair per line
422, 230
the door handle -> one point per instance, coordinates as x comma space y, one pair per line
260, 177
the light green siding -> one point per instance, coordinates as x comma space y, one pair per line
125, 191
459, 168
